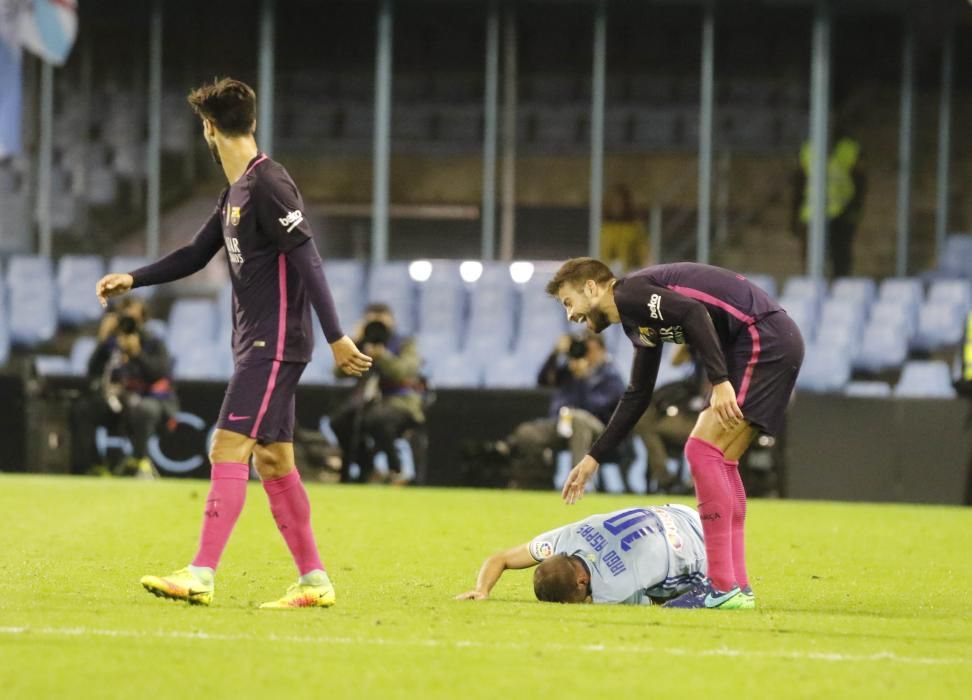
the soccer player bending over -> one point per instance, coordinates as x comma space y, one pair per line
277, 276
635, 556
751, 351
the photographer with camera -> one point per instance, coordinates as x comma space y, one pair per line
130, 390
587, 388
387, 400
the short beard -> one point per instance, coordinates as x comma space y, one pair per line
599, 320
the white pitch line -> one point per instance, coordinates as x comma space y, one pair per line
467, 644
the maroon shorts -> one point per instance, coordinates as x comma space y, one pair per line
259, 401
763, 364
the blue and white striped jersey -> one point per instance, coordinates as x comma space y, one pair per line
633, 554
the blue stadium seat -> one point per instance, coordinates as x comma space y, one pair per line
803, 311
802, 287
442, 299
318, 371
81, 352
925, 380
906, 291
457, 370
76, 279
764, 282
31, 270
491, 313
203, 361
882, 347
824, 370
33, 316
841, 312
868, 389
343, 273
940, 325
957, 292
861, 289
887, 312
192, 322
432, 343
956, 260
52, 365
390, 283
510, 371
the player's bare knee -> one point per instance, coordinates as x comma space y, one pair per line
228, 446
270, 463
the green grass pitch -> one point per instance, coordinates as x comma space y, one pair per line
855, 601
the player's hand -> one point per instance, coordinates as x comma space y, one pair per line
578, 478
472, 595
723, 403
111, 286
348, 358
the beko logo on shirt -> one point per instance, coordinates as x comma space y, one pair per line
292, 220
654, 307
233, 250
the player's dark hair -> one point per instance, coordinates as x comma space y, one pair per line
576, 271
229, 104
555, 581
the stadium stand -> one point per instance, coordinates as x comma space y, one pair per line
925, 380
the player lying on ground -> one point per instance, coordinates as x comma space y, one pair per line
277, 276
634, 556
751, 351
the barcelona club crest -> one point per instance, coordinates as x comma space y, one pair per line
235, 216
648, 336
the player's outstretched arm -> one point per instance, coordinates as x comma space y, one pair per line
518, 557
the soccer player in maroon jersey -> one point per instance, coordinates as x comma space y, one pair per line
752, 352
277, 276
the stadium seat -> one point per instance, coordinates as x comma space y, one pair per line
510, 371
803, 311
957, 292
457, 370
433, 343
886, 312
204, 361
764, 282
824, 370
883, 347
81, 352
491, 311
868, 389
861, 289
925, 380
29, 270
77, 276
192, 323
442, 300
812, 288
33, 316
940, 325
906, 291
956, 260
52, 365
841, 312
390, 283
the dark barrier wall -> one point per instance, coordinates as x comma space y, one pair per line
857, 449
836, 447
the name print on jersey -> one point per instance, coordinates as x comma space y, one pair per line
233, 250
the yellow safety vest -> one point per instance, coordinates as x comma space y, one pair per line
840, 179
967, 352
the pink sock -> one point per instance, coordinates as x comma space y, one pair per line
738, 522
291, 509
227, 493
715, 508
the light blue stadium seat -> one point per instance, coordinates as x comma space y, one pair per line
764, 282
491, 313
192, 322
81, 352
389, 283
32, 317
958, 292
30, 270
128, 263
940, 325
803, 311
802, 287
886, 312
318, 372
157, 327
344, 273
926, 379
52, 365
203, 361
433, 343
510, 371
838, 312
868, 389
882, 347
441, 306
861, 289
457, 370
957, 257
824, 370
77, 276
906, 291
